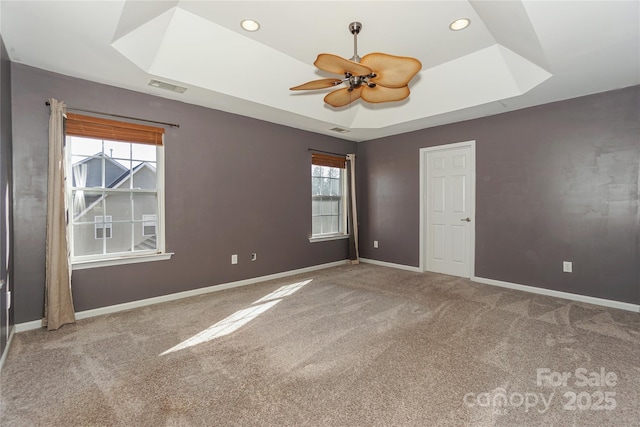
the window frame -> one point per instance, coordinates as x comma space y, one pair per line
129, 257
335, 162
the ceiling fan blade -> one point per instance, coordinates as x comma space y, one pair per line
342, 97
391, 71
338, 65
380, 94
318, 84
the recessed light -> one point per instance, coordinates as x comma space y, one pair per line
459, 24
250, 25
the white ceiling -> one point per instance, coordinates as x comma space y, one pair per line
515, 54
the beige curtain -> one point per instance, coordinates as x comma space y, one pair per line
58, 302
354, 252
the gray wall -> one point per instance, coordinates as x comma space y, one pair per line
234, 185
5, 186
555, 182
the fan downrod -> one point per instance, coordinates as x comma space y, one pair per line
355, 28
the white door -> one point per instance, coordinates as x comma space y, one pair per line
449, 199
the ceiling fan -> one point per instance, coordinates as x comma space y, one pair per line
376, 77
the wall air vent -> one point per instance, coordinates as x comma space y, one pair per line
340, 130
166, 86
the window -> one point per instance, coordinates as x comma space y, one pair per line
148, 225
328, 202
114, 186
103, 227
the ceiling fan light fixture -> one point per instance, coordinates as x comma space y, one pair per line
250, 25
459, 24
375, 78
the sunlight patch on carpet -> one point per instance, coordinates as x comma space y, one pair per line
284, 291
239, 318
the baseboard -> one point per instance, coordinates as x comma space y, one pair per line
6, 348
392, 265
559, 294
531, 289
27, 326
21, 327
36, 324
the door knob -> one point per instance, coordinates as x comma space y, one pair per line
467, 219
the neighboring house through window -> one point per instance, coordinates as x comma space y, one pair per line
114, 190
328, 201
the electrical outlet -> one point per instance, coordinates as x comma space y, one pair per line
567, 266
254, 256
234, 259
375, 244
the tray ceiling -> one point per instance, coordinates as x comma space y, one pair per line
513, 55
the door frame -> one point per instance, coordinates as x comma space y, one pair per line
424, 185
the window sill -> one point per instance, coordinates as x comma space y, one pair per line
82, 265
328, 237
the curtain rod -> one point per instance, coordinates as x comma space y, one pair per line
326, 152
173, 125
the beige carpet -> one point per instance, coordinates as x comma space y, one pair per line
355, 346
